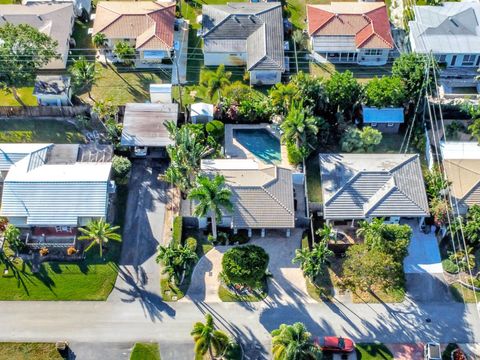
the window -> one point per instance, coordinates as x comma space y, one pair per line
441, 58
373, 124
390, 124
373, 52
469, 60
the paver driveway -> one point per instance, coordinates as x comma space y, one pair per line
286, 286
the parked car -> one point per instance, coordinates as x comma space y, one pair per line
432, 351
337, 344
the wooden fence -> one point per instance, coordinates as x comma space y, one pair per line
44, 111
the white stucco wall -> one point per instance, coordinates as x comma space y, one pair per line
228, 59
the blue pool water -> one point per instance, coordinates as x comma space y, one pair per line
260, 143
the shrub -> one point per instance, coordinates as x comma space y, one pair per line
215, 129
71, 251
449, 266
222, 238
121, 167
191, 243
239, 238
211, 238
3, 223
245, 265
294, 154
44, 251
177, 230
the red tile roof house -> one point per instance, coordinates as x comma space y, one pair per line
350, 32
147, 26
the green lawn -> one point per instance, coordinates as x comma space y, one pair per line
462, 294
31, 131
362, 73
25, 93
145, 351
123, 85
91, 279
314, 185
29, 351
373, 351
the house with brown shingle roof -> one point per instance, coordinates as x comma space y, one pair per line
350, 32
147, 26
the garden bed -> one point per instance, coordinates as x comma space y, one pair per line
230, 294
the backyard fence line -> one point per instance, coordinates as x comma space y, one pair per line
44, 111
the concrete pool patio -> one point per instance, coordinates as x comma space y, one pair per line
233, 148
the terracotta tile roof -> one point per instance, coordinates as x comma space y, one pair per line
150, 23
367, 21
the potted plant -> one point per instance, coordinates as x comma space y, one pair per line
71, 251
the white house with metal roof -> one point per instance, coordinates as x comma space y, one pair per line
59, 186
450, 31
262, 195
366, 186
251, 34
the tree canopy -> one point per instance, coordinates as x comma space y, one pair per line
294, 342
245, 265
385, 92
23, 51
411, 69
343, 91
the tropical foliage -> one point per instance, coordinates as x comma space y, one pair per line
343, 91
208, 339
355, 139
99, 232
99, 40
386, 91
294, 342
212, 198
300, 128
125, 52
23, 51
83, 74
245, 265
411, 68
312, 262
177, 261
121, 167
215, 80
12, 237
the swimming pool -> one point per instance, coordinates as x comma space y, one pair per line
260, 143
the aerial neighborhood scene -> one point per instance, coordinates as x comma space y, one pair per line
239, 179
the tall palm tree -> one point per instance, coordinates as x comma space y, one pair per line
312, 261
84, 74
294, 342
299, 127
215, 80
298, 38
207, 338
283, 95
212, 197
99, 40
100, 232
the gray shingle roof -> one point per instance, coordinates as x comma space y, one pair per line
262, 198
254, 28
453, 27
357, 186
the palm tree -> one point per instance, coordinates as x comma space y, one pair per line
215, 80
212, 196
298, 38
283, 95
12, 237
125, 52
100, 232
372, 232
325, 233
312, 261
293, 342
99, 40
208, 339
84, 74
298, 127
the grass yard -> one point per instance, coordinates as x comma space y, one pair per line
124, 85
39, 131
226, 295
373, 351
314, 185
25, 93
362, 73
145, 351
462, 294
29, 351
91, 279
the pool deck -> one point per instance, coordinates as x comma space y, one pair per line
234, 149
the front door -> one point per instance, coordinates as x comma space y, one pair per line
454, 60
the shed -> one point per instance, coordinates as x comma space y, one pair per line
144, 125
52, 90
161, 93
201, 113
386, 120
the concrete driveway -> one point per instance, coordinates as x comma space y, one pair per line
423, 269
286, 286
139, 276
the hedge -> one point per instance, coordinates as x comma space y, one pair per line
177, 231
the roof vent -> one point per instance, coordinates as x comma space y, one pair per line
453, 21
252, 18
39, 18
236, 19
